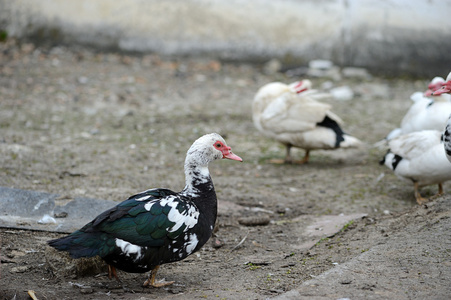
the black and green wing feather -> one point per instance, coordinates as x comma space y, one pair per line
130, 220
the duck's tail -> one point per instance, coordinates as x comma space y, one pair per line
350, 142
78, 244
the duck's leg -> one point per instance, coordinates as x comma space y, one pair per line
151, 280
112, 273
287, 160
305, 159
440, 191
420, 200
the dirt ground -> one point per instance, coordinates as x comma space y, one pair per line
74, 122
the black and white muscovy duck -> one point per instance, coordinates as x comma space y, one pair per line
429, 111
293, 116
446, 89
156, 226
419, 157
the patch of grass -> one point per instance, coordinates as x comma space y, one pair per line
252, 267
346, 226
3, 35
322, 240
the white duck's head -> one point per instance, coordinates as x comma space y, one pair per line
435, 84
445, 88
300, 86
207, 148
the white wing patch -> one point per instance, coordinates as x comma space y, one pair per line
187, 217
129, 249
149, 204
143, 198
191, 244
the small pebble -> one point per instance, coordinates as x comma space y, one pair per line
86, 291
217, 243
20, 269
346, 280
62, 214
320, 64
342, 93
254, 221
272, 67
46, 219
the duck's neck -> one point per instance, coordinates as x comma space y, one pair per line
198, 183
442, 98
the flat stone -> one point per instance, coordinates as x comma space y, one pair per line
312, 228
24, 209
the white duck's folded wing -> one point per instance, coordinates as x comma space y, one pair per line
317, 95
290, 113
414, 144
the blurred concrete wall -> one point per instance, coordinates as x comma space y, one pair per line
386, 36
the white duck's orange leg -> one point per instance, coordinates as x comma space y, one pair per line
440, 191
151, 280
305, 158
287, 160
420, 199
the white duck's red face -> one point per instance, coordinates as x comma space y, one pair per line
301, 86
225, 150
445, 89
435, 85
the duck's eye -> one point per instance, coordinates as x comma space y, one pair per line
218, 145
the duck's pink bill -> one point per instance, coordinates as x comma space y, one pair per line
232, 156
443, 90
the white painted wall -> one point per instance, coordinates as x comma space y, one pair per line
388, 36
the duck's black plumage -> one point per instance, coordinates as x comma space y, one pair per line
156, 226
447, 139
332, 124
139, 234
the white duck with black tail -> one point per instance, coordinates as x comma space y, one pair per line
419, 157
293, 116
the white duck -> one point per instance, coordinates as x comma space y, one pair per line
292, 115
419, 157
446, 89
427, 112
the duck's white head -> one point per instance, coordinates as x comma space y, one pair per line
435, 84
445, 88
207, 148
300, 86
